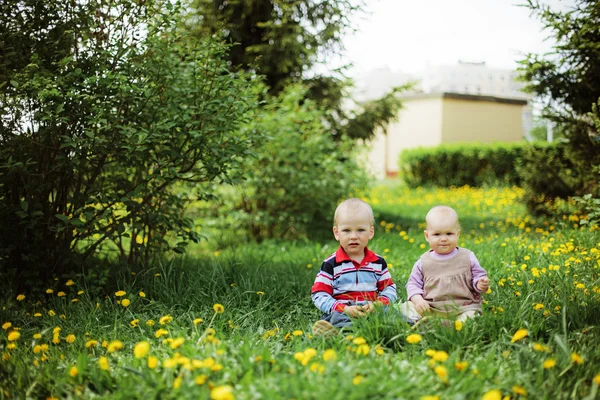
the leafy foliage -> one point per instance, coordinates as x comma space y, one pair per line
463, 164
284, 42
298, 176
105, 108
278, 39
568, 80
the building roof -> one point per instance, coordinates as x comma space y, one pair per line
464, 96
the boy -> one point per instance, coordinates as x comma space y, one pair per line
353, 278
447, 280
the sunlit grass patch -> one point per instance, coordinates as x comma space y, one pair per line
235, 323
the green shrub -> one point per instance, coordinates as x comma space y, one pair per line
568, 169
104, 109
462, 164
293, 184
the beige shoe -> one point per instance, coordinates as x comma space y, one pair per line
324, 329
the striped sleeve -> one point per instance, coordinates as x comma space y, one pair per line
322, 290
386, 286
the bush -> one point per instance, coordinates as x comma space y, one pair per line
105, 108
463, 164
568, 169
298, 175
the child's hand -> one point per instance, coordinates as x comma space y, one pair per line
421, 305
369, 307
483, 284
359, 311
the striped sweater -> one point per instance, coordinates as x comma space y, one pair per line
342, 281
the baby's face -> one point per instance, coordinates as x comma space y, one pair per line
442, 234
354, 230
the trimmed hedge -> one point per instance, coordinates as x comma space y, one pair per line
465, 164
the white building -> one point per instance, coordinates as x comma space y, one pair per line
473, 78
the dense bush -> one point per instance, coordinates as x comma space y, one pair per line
293, 184
463, 164
567, 80
104, 108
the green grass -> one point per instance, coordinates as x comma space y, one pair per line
544, 276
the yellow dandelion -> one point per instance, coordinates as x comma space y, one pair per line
115, 345
430, 397
49, 291
141, 349
461, 365
329, 355
166, 319
103, 363
359, 340
519, 334
73, 371
61, 294
6, 325
458, 325
80, 292
176, 343
218, 308
120, 293
142, 294
549, 363
414, 338
597, 379
442, 373
37, 336
150, 322
152, 362
125, 302
20, 297
297, 332
51, 313
69, 282
493, 394
363, 349
540, 347
134, 323
91, 343
198, 321
430, 352
13, 335
576, 358
161, 332
260, 293
357, 379
70, 338
177, 381
37, 315
224, 392
520, 390
440, 356
200, 380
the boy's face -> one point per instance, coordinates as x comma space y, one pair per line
353, 230
442, 234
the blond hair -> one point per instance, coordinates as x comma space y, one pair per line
441, 211
353, 205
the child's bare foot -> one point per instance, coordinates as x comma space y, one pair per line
324, 329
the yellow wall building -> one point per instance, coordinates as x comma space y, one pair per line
429, 120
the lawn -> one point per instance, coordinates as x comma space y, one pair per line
233, 322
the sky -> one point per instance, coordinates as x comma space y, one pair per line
406, 35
